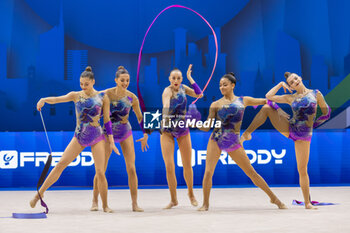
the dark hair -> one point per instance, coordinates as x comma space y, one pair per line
287, 74
121, 70
231, 77
87, 73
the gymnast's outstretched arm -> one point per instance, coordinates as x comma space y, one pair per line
71, 96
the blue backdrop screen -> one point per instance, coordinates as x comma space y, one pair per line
23, 154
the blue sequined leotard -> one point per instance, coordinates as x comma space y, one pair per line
88, 111
120, 110
231, 116
304, 112
177, 111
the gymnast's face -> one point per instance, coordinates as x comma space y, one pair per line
87, 84
175, 79
294, 81
226, 86
123, 81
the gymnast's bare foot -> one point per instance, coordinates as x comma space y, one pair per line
280, 204
193, 200
136, 208
309, 206
107, 210
33, 202
204, 208
245, 137
171, 204
94, 206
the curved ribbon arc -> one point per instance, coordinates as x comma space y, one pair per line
142, 104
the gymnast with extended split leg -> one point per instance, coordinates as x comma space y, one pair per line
299, 128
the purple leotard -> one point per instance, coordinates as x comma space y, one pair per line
231, 116
300, 126
88, 110
177, 110
120, 110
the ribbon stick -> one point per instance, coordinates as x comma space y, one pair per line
142, 104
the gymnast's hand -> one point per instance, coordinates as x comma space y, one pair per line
144, 145
189, 76
283, 114
40, 104
114, 148
285, 87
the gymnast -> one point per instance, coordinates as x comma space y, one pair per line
229, 111
299, 128
174, 111
89, 104
121, 102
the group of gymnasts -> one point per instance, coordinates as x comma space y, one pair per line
114, 106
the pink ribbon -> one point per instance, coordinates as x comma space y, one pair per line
143, 107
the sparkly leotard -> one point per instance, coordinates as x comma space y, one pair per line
120, 110
177, 111
301, 125
88, 111
231, 116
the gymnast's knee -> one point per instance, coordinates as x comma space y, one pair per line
100, 174
131, 170
170, 167
187, 168
266, 108
208, 174
302, 170
61, 165
252, 174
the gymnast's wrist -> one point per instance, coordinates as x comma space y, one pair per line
280, 85
108, 127
111, 139
273, 105
196, 88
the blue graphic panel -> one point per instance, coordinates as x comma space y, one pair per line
22, 157
45, 45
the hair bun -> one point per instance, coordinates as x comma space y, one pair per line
286, 74
88, 68
233, 74
121, 70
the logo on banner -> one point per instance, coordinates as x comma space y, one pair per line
9, 159
151, 120
261, 156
